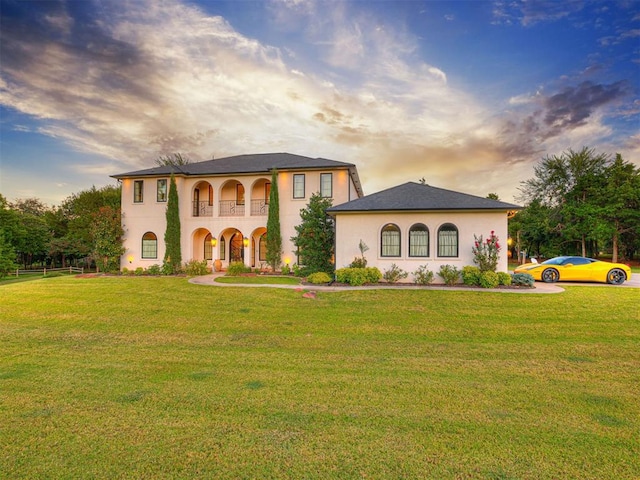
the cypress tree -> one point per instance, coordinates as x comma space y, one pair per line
173, 253
274, 236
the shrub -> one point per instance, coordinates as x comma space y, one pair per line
358, 276
170, 268
296, 270
154, 270
373, 274
139, 271
522, 279
237, 268
319, 278
353, 276
125, 271
449, 274
286, 269
194, 268
358, 262
471, 275
423, 276
504, 278
394, 274
489, 279
485, 252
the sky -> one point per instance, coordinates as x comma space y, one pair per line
469, 95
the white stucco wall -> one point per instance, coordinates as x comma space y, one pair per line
149, 215
353, 227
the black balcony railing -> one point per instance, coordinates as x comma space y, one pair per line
202, 209
231, 208
259, 207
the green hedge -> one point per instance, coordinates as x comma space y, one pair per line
358, 276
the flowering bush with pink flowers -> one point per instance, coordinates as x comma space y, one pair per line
485, 252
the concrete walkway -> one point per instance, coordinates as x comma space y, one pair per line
539, 287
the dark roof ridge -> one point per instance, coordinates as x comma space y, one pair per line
412, 196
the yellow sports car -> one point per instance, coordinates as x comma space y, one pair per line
577, 269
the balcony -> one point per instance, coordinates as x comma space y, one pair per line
231, 208
259, 207
202, 209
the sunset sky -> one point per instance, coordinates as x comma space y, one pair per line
469, 95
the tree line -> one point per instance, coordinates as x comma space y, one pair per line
84, 230
580, 203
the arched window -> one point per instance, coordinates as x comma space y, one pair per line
390, 241
223, 248
419, 241
448, 240
208, 249
149, 245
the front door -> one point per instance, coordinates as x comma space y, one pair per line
236, 249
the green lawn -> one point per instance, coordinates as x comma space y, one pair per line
115, 377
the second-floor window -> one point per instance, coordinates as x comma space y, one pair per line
240, 194
162, 190
267, 192
326, 185
138, 191
298, 185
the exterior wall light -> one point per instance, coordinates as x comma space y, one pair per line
214, 241
130, 258
245, 241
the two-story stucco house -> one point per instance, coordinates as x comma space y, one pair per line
224, 205
224, 212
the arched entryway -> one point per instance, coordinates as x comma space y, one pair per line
236, 248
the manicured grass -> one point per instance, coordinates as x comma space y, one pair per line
114, 377
259, 280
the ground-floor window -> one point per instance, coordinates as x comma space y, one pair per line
149, 245
419, 240
208, 249
448, 240
390, 241
223, 248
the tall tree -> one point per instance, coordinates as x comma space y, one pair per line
316, 236
173, 250
34, 246
78, 210
620, 203
274, 234
106, 233
32, 206
7, 256
174, 159
569, 185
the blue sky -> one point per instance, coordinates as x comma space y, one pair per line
469, 95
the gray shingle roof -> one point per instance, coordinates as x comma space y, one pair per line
413, 196
239, 164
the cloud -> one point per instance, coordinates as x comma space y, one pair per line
560, 113
133, 81
530, 13
574, 105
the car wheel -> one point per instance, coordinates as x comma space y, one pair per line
550, 275
616, 277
